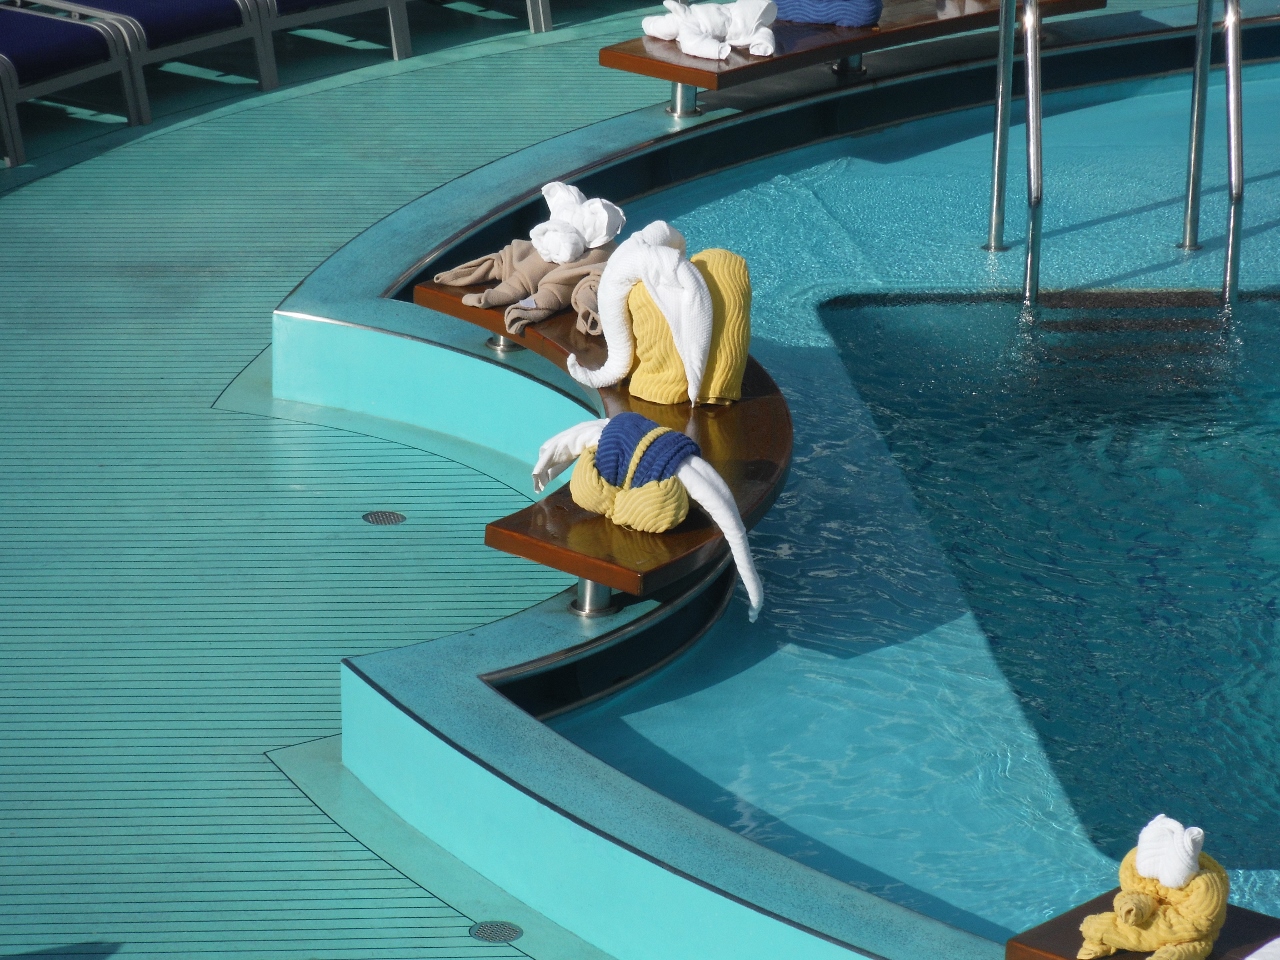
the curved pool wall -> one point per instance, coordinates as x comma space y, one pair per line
623, 866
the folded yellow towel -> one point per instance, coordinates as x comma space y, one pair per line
658, 374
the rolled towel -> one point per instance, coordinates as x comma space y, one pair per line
840, 13
1133, 908
555, 290
585, 304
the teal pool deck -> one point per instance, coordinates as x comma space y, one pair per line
183, 568
179, 581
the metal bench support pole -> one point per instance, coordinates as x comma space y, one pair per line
684, 100
500, 344
1195, 152
593, 600
1000, 141
1035, 170
1235, 152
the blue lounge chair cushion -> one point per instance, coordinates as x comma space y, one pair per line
172, 21
287, 7
42, 47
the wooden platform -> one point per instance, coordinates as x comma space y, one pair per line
1060, 938
804, 44
748, 442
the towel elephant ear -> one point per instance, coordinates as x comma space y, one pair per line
1169, 852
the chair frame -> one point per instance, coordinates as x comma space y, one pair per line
140, 54
12, 93
397, 15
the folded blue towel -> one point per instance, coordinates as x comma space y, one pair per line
841, 13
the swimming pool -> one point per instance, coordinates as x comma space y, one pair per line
1021, 588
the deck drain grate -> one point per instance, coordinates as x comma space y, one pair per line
383, 518
496, 931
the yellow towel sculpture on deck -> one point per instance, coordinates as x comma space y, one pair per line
1174, 920
679, 327
658, 375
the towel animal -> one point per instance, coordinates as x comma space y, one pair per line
680, 328
642, 476
537, 277
1172, 920
712, 30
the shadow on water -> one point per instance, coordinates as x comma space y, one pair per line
1104, 489
637, 757
74, 951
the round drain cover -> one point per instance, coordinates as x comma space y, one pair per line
383, 518
496, 931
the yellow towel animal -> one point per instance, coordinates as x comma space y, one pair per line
1170, 923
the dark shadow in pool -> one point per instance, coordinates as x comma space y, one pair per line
1107, 499
635, 756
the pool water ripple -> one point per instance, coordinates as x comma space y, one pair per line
1021, 586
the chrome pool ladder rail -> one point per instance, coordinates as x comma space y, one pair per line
1195, 153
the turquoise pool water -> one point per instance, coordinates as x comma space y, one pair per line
1022, 583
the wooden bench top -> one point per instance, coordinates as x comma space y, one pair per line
748, 442
1059, 939
804, 44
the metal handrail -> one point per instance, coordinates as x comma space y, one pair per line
1195, 152
1000, 142
1035, 167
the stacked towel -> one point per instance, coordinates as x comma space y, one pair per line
712, 30
840, 13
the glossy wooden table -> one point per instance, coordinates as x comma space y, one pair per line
1059, 938
748, 442
804, 44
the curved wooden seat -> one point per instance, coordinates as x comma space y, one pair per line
804, 44
748, 442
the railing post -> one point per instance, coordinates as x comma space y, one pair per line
593, 600
1035, 169
1195, 150
1235, 152
1000, 139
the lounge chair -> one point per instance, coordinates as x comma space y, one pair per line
157, 30
288, 14
41, 53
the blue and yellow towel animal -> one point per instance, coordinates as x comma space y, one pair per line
643, 476
630, 475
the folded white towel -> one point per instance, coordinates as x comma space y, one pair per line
704, 485
576, 224
1169, 852
712, 30
654, 256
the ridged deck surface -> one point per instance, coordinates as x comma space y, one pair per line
177, 582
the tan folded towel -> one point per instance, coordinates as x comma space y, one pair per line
556, 288
517, 267
585, 304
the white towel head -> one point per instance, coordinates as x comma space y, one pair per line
1169, 852
576, 224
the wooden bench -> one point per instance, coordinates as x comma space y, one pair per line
1059, 939
748, 442
805, 44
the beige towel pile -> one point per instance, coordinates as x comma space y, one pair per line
530, 287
